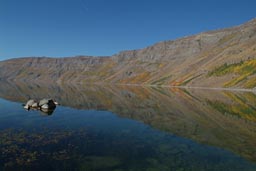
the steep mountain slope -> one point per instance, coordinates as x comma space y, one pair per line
222, 58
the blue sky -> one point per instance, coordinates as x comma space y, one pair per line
58, 28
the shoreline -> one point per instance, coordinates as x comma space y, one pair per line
192, 87
143, 85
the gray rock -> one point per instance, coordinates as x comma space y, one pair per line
47, 104
34, 105
29, 104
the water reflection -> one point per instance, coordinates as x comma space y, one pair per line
47, 112
218, 118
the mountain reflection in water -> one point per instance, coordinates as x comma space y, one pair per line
222, 119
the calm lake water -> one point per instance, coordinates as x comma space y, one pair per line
127, 129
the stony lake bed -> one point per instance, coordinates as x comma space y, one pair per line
127, 128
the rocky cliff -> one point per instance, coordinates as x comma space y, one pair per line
221, 58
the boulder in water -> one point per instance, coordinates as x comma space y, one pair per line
47, 104
30, 104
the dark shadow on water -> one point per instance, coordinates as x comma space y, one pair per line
222, 119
